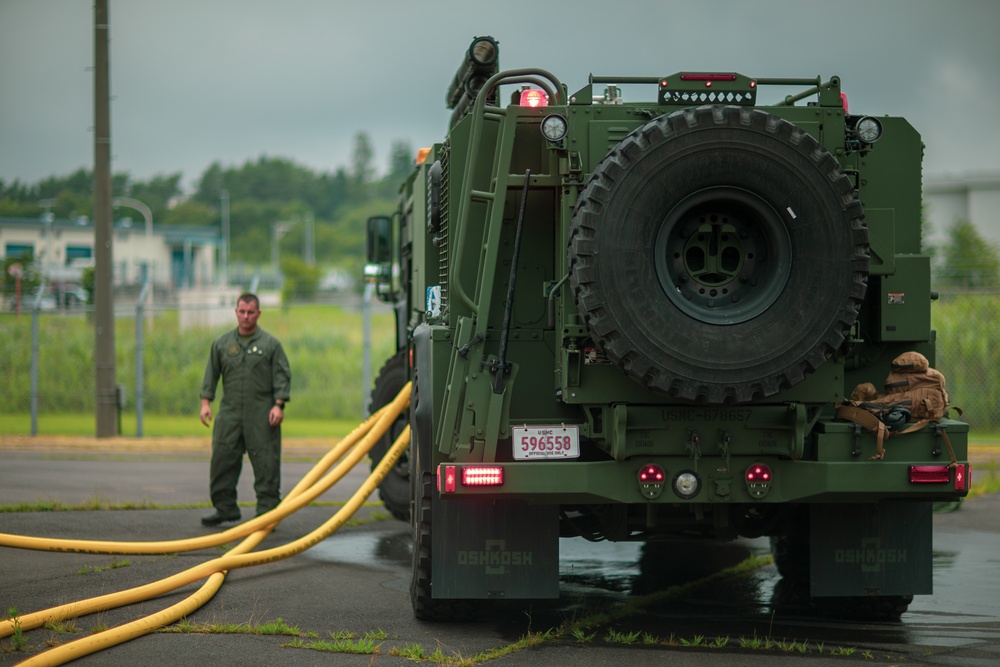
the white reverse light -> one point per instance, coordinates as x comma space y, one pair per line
687, 484
869, 129
554, 127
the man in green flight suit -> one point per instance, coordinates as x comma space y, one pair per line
256, 384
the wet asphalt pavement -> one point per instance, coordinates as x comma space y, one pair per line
356, 582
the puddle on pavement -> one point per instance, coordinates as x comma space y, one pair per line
963, 610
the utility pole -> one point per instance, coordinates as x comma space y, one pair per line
104, 314
309, 241
278, 230
224, 255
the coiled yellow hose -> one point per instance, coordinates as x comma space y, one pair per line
307, 489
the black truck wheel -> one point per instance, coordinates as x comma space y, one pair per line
425, 606
395, 488
791, 558
719, 254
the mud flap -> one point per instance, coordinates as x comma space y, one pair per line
494, 549
871, 549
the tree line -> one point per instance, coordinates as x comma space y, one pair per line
272, 189
260, 192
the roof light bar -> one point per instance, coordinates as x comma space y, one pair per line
707, 76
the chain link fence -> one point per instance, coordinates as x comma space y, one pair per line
968, 353
324, 345
47, 360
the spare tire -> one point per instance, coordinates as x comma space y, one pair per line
719, 254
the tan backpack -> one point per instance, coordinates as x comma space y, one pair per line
915, 386
913, 391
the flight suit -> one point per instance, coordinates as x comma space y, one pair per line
255, 374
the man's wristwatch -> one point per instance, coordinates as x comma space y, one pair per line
280, 405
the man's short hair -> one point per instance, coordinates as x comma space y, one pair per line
247, 297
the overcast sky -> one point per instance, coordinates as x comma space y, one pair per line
199, 81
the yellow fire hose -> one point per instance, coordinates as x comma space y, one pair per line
372, 429
304, 492
149, 590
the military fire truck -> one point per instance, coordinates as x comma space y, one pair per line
631, 312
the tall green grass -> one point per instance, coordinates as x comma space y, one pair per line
323, 344
968, 353
166, 426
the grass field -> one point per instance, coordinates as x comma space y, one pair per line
167, 426
324, 345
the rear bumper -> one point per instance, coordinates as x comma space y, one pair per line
573, 482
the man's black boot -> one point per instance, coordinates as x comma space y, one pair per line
217, 518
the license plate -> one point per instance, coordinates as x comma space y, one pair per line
545, 442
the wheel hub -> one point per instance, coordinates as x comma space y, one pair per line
722, 255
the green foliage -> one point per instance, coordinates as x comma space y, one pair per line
983, 485
301, 280
18, 641
60, 626
72, 196
342, 642
189, 213
275, 627
968, 355
30, 277
261, 192
156, 193
615, 637
114, 565
87, 282
968, 260
362, 169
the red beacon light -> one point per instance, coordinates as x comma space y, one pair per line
532, 97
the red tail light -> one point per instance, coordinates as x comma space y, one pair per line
962, 477
930, 474
758, 473
482, 475
446, 485
651, 474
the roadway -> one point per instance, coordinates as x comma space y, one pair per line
356, 581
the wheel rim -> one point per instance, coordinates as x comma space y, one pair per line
722, 255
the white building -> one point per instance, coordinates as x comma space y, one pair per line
975, 198
177, 256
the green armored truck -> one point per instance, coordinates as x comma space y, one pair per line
639, 320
